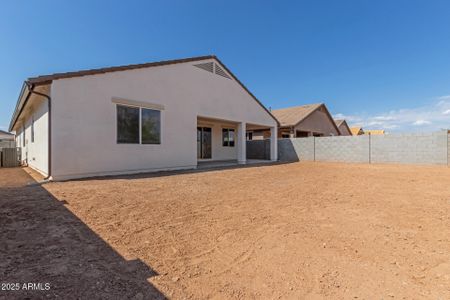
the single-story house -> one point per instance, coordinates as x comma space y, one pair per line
357, 130
301, 121
343, 127
137, 118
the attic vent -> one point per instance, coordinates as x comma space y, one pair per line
209, 66
213, 68
221, 72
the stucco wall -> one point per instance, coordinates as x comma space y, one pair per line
318, 122
35, 153
84, 118
344, 130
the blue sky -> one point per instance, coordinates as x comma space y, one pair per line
380, 64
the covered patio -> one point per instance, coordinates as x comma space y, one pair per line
223, 142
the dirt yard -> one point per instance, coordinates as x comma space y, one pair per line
298, 231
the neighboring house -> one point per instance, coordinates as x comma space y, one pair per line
357, 130
137, 118
343, 127
302, 121
6, 136
374, 132
6, 140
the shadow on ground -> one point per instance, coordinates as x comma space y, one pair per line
180, 172
41, 241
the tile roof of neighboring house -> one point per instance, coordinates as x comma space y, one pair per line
47, 79
291, 116
356, 130
339, 122
374, 132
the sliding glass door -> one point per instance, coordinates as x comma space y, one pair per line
204, 139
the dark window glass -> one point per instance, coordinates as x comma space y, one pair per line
224, 137
227, 137
127, 125
231, 137
151, 126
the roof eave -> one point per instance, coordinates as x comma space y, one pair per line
19, 106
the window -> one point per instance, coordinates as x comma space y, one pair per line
138, 125
32, 129
249, 136
227, 137
127, 125
151, 126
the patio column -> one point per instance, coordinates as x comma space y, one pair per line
273, 144
241, 143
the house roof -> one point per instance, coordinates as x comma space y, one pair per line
341, 122
291, 116
6, 133
31, 82
45, 79
356, 130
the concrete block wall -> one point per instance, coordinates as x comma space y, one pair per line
410, 148
258, 149
296, 149
448, 150
343, 148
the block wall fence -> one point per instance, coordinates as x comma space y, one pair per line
408, 148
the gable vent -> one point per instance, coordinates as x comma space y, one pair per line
221, 72
213, 68
209, 66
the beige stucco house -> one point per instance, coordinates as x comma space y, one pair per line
301, 121
137, 118
343, 127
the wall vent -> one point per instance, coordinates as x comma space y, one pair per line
209, 66
213, 68
221, 72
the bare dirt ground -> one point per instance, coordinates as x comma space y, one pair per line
298, 231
